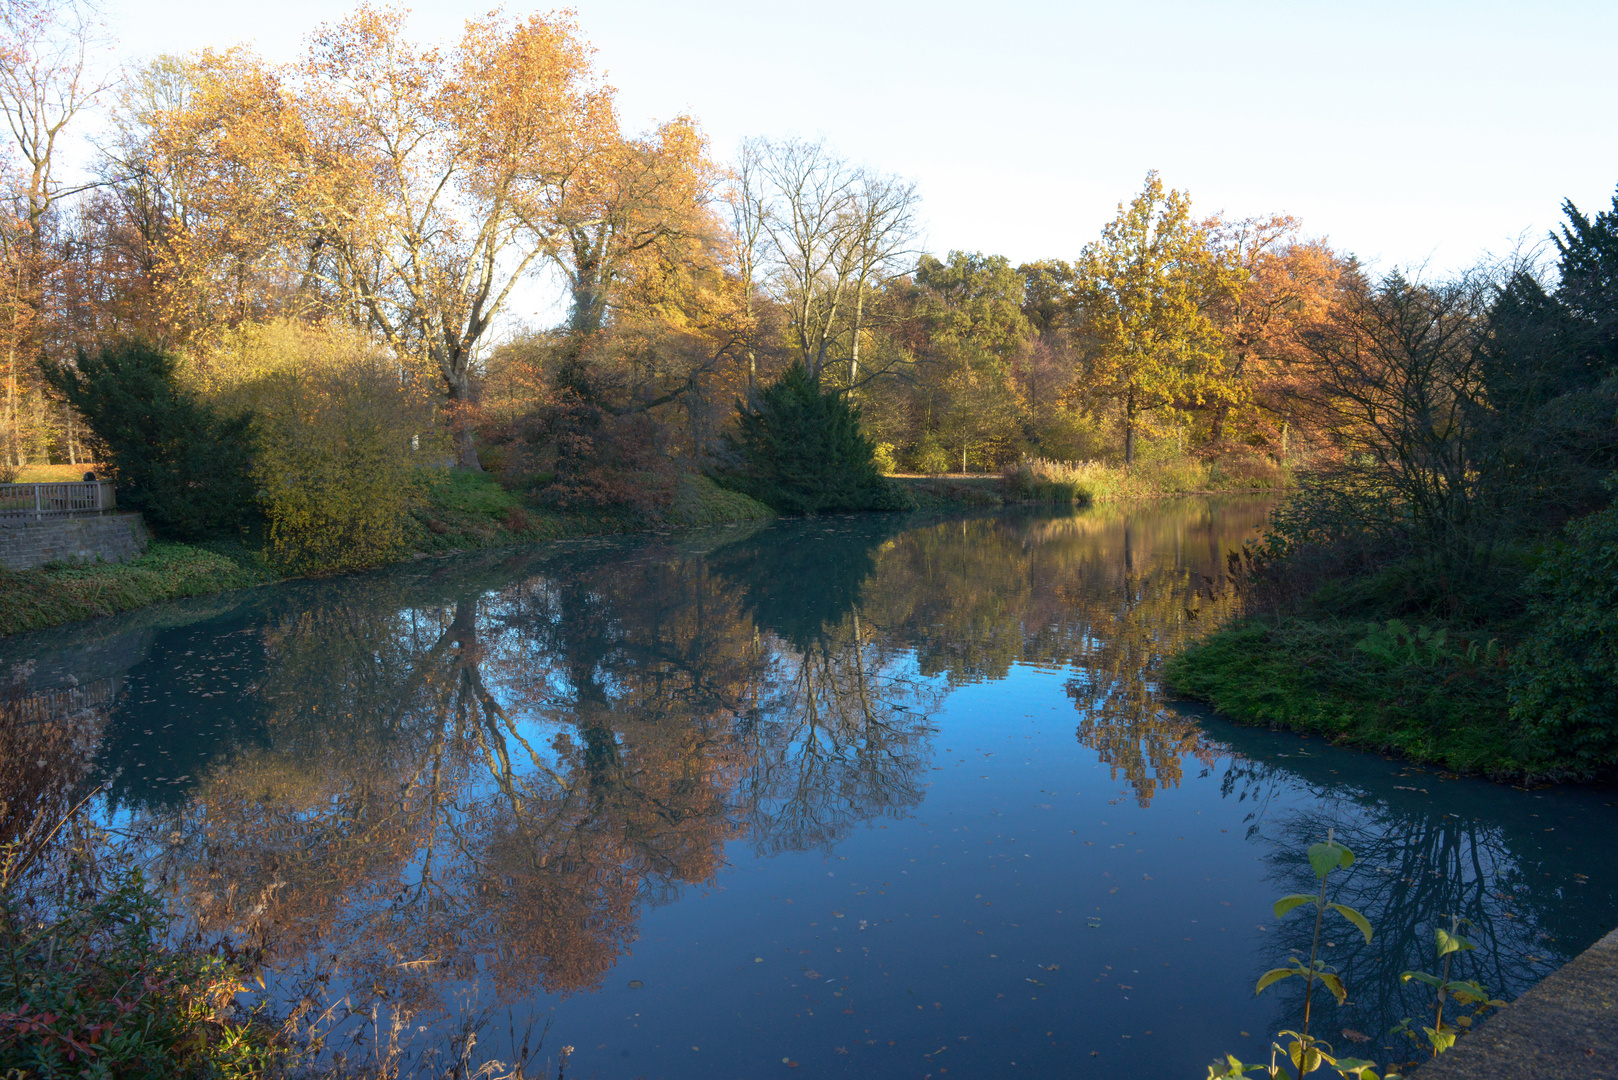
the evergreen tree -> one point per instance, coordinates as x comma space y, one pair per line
1589, 288
185, 468
802, 452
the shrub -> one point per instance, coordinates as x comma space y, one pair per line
95, 990
1052, 481
929, 457
1246, 472
341, 428
803, 453
186, 468
606, 461
1565, 674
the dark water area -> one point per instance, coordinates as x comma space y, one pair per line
871, 796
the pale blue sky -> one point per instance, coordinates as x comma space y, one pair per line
1407, 133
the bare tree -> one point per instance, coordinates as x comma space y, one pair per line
1401, 391
747, 203
833, 233
45, 83
881, 237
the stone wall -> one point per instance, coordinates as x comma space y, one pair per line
109, 538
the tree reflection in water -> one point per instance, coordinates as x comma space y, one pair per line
483, 773
1422, 853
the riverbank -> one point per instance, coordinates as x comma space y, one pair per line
465, 512
1373, 690
461, 512
1566, 1026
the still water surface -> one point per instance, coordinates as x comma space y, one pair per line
870, 797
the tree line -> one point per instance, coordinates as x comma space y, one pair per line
336, 247
406, 192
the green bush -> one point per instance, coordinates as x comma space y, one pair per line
95, 990
184, 467
1565, 674
930, 458
803, 453
337, 420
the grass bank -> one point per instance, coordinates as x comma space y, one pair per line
462, 511
459, 512
1434, 699
1402, 661
1037, 481
55, 594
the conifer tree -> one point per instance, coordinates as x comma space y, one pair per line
184, 467
803, 452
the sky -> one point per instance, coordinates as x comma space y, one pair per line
1413, 135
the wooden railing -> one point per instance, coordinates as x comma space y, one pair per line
36, 501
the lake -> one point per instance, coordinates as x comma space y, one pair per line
866, 796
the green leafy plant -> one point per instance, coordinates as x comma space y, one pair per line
1565, 676
1305, 1052
1396, 644
1465, 992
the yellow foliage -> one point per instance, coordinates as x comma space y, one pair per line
342, 429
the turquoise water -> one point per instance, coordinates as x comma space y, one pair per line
871, 796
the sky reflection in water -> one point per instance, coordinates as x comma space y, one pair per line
866, 796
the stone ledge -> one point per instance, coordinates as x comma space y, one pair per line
111, 538
1566, 1027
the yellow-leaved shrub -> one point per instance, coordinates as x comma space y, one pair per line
343, 427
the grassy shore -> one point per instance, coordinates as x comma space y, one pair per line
1036, 481
1396, 661
470, 511
460, 512
50, 595
1376, 689
1084, 482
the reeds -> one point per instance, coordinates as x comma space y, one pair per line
1083, 482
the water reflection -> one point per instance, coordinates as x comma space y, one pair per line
1531, 881
488, 772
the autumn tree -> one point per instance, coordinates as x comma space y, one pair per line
407, 188
1275, 283
437, 180
1140, 296
971, 309
46, 82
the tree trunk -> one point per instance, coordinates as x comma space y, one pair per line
462, 400
854, 349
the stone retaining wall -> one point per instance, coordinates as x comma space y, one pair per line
112, 538
1565, 1028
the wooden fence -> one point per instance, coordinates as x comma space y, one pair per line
34, 502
